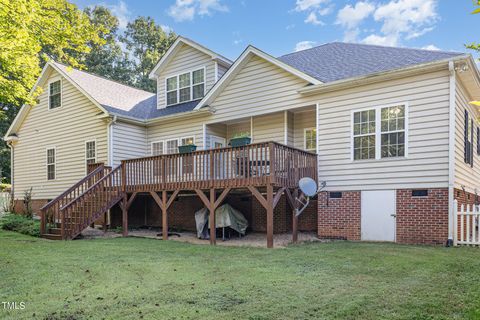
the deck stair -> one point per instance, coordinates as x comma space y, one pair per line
68, 215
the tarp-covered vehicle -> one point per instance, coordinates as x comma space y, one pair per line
225, 216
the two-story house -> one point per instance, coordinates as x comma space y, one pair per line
390, 131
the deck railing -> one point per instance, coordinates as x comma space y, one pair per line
256, 164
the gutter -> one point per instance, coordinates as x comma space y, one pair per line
378, 77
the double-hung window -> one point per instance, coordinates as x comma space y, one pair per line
172, 146
51, 164
157, 148
185, 87
90, 152
55, 94
380, 132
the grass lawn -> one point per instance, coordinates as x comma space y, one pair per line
132, 278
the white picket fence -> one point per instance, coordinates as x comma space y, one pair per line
467, 225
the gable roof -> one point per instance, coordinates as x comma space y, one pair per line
175, 47
238, 65
336, 61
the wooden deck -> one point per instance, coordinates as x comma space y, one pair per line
267, 170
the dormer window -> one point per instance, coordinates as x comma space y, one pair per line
185, 87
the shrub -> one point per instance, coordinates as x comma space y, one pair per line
21, 224
27, 203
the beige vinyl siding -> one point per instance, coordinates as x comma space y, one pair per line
187, 59
290, 128
259, 88
465, 175
269, 127
302, 120
66, 128
243, 127
427, 162
221, 70
177, 128
129, 141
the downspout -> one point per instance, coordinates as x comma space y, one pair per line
12, 170
451, 154
110, 124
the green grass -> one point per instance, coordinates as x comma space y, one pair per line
131, 278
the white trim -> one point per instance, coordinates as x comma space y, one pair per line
378, 132
451, 151
177, 75
285, 120
176, 46
216, 71
251, 129
50, 81
305, 138
54, 163
237, 66
204, 135
85, 152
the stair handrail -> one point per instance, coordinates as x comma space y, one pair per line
106, 200
90, 188
89, 177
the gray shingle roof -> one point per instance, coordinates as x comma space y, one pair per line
327, 63
338, 60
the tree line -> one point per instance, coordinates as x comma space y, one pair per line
33, 32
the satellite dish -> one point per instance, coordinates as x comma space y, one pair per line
308, 186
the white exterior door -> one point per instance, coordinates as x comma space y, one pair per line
217, 142
378, 215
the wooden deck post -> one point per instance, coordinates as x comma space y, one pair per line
211, 220
269, 208
124, 207
164, 216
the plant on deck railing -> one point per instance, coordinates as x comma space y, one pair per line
240, 139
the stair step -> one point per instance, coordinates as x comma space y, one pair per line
55, 231
51, 236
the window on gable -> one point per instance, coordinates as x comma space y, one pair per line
157, 148
364, 135
51, 164
90, 152
385, 126
55, 95
185, 87
310, 139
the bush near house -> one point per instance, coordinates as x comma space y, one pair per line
21, 224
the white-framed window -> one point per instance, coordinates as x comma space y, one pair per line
310, 139
55, 94
187, 140
185, 87
90, 152
51, 163
171, 146
157, 148
380, 132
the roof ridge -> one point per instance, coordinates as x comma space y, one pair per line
104, 78
372, 45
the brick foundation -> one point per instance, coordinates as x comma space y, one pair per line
422, 220
37, 204
339, 218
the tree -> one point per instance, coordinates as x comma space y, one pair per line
29, 29
107, 59
147, 42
